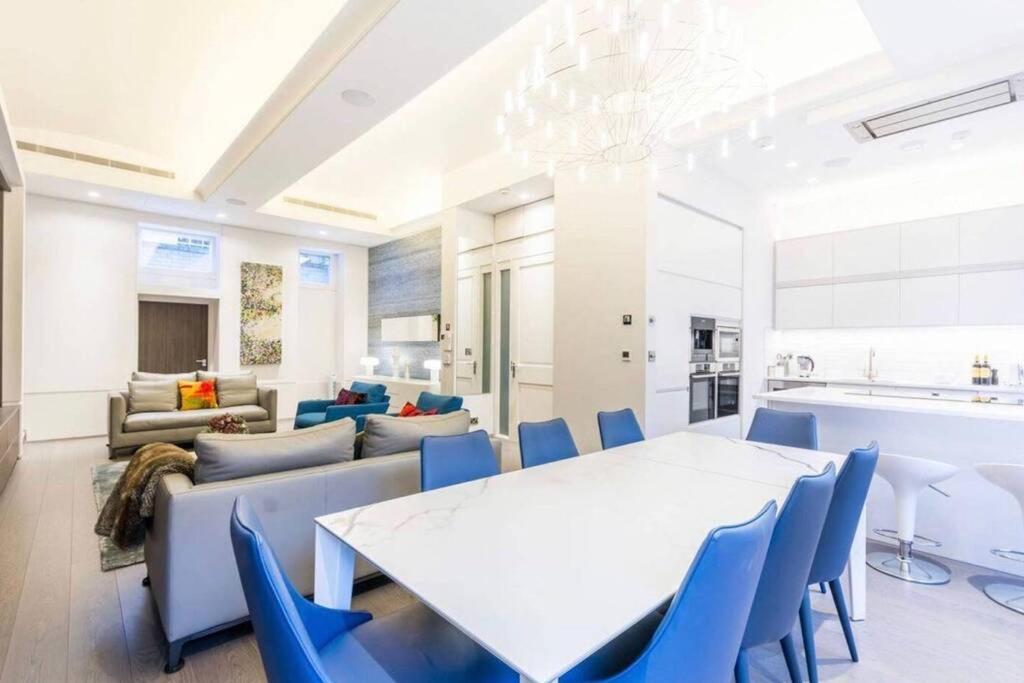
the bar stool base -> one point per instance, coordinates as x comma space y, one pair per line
1010, 596
909, 568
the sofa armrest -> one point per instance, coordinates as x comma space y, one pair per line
267, 398
354, 411
313, 405
117, 413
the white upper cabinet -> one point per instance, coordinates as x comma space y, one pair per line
932, 243
929, 300
992, 298
697, 246
866, 304
805, 258
539, 216
803, 307
871, 251
508, 225
995, 236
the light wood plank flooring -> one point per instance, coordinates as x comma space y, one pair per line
61, 618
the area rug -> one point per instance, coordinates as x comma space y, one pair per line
104, 478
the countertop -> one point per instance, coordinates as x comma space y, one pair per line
846, 398
1015, 389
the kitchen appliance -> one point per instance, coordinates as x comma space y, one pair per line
702, 340
805, 365
703, 385
728, 389
727, 340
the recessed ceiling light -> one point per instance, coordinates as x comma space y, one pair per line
913, 146
837, 162
504, 191
524, 196
236, 202
812, 181
323, 233
792, 164
765, 144
961, 135
221, 215
94, 194
956, 146
358, 98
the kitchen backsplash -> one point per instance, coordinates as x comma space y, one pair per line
942, 355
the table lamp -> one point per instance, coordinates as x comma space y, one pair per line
369, 363
434, 365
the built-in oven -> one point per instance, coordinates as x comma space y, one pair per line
702, 340
727, 342
728, 390
703, 386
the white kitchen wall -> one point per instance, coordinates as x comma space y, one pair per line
81, 312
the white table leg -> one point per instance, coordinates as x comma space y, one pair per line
333, 571
524, 679
856, 573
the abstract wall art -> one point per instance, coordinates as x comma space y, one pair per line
261, 314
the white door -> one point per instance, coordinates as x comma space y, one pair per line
469, 333
531, 341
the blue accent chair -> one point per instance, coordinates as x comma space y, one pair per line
783, 428
699, 636
618, 428
544, 442
834, 547
318, 411
783, 581
444, 404
302, 642
450, 460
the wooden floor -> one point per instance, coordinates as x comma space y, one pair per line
61, 618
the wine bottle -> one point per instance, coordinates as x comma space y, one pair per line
986, 372
976, 370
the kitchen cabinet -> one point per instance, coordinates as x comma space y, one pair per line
803, 307
928, 244
992, 298
929, 300
508, 225
804, 258
867, 304
538, 217
697, 246
995, 236
870, 251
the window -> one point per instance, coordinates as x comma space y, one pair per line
316, 269
170, 258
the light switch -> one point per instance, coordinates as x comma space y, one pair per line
625, 356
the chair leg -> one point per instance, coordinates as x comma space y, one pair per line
174, 658
792, 663
821, 587
844, 616
742, 671
807, 631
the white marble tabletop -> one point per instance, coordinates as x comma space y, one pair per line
880, 399
544, 566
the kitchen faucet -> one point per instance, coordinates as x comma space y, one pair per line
871, 373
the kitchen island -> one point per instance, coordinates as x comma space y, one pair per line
976, 516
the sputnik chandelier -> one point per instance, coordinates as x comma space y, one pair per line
611, 79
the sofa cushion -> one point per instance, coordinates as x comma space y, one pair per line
198, 395
158, 376
304, 420
375, 393
145, 422
237, 389
387, 434
152, 396
221, 457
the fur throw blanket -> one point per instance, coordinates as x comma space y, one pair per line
124, 515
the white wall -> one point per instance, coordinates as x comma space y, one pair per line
81, 313
13, 291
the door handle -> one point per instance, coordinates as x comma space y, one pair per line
513, 369
474, 368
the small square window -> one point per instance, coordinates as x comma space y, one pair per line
316, 269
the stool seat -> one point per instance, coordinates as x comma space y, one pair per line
909, 476
1010, 478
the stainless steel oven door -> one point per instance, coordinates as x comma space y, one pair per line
702, 397
728, 401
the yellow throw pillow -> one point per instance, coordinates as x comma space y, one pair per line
198, 395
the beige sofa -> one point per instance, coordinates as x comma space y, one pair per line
192, 571
129, 430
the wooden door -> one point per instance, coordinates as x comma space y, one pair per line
172, 336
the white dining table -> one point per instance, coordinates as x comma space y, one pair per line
544, 566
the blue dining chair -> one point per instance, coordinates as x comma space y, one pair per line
783, 582
302, 642
618, 428
449, 460
783, 428
544, 442
699, 636
844, 512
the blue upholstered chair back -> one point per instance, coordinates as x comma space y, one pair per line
375, 393
544, 442
788, 563
783, 428
619, 428
844, 512
449, 460
444, 404
700, 635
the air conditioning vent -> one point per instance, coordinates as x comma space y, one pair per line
320, 206
93, 159
939, 109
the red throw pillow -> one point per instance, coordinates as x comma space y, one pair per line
349, 398
409, 410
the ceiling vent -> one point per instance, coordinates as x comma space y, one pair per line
943, 108
93, 159
327, 207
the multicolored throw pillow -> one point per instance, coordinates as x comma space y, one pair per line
409, 410
198, 395
350, 398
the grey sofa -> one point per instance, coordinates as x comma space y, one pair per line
129, 430
192, 572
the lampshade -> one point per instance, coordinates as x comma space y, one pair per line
369, 361
432, 364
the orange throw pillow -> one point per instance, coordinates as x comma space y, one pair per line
198, 395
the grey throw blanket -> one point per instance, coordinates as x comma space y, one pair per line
124, 515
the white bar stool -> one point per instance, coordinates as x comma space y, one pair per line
1010, 478
909, 477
